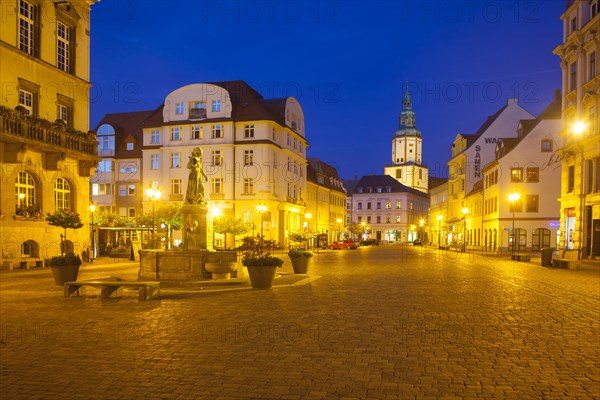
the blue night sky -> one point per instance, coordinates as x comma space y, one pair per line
345, 61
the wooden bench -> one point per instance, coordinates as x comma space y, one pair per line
521, 257
146, 290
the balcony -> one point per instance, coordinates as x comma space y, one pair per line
15, 124
197, 113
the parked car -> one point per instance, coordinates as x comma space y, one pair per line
370, 242
337, 246
417, 242
350, 244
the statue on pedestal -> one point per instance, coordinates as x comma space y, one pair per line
195, 187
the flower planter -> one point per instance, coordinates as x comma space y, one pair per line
220, 270
301, 264
65, 273
261, 277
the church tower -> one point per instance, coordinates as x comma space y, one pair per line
407, 150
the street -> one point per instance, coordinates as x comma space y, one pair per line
385, 322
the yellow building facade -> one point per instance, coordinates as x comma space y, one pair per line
580, 137
46, 152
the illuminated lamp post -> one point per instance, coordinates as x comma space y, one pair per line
513, 198
154, 195
92, 209
465, 211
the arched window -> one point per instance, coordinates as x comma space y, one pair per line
106, 140
29, 249
62, 194
25, 191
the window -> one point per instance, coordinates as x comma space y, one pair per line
369, 219
531, 203
388, 219
379, 204
25, 190
516, 174
130, 190
216, 105
368, 205
129, 146
63, 113
573, 79
546, 146
217, 131
179, 108
122, 190
388, 205
249, 131
570, 178
102, 189
573, 24
516, 206
217, 185
592, 66
62, 194
359, 219
594, 8
175, 160
176, 134
378, 219
248, 157
106, 139
217, 157
197, 110
26, 101
27, 26
533, 174
154, 161
359, 206
131, 212
63, 47
397, 219
398, 205
197, 132
104, 166
128, 167
248, 186
176, 186
155, 137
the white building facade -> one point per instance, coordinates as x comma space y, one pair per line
254, 153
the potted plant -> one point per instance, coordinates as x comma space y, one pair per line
259, 261
66, 266
301, 259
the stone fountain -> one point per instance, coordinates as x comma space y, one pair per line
189, 264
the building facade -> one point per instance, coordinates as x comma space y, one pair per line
325, 202
47, 154
580, 137
253, 153
407, 150
388, 210
438, 210
470, 154
529, 166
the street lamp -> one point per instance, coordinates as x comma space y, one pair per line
261, 210
363, 224
154, 194
439, 218
513, 198
465, 211
92, 209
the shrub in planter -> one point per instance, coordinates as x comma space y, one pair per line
301, 259
261, 265
65, 268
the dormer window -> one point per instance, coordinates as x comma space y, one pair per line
216, 105
359, 190
129, 146
197, 110
179, 108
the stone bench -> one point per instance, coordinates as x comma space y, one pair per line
565, 263
27, 263
146, 290
521, 257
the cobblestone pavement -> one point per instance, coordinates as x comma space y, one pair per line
385, 322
